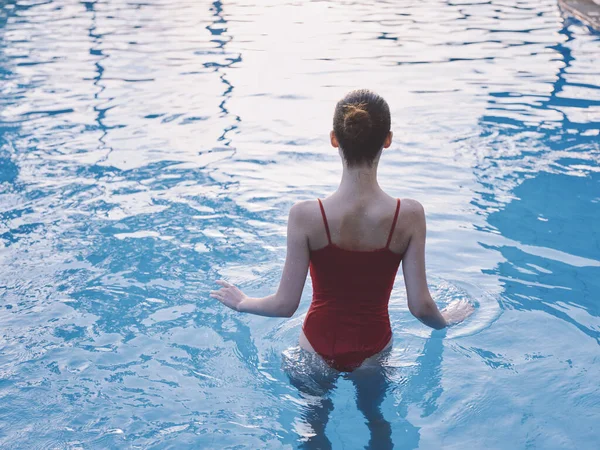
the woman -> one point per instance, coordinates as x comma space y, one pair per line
353, 242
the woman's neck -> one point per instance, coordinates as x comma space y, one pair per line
359, 181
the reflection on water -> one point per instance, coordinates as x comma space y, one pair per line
148, 148
551, 219
552, 262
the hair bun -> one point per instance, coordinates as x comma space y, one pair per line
357, 121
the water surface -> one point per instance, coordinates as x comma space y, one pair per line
149, 148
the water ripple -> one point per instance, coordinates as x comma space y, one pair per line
148, 148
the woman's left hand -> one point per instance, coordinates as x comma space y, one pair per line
229, 295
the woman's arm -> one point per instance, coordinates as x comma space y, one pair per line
420, 303
285, 301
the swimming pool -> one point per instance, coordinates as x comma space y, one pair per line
149, 148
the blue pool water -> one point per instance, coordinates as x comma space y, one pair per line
148, 148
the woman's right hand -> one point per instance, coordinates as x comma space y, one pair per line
457, 311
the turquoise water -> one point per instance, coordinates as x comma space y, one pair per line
149, 148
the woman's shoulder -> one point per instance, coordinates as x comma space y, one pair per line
411, 216
411, 206
304, 206
305, 211
305, 217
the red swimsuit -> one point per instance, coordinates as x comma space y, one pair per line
348, 318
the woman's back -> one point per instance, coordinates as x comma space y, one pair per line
348, 318
360, 224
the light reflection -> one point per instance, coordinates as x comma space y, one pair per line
128, 181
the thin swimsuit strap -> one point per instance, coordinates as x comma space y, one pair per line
325, 220
391, 229
393, 223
